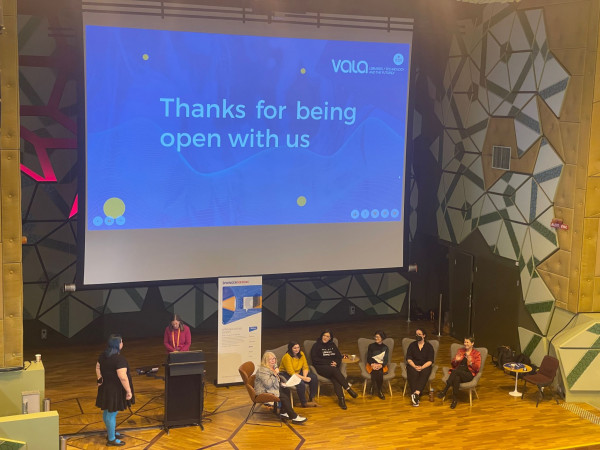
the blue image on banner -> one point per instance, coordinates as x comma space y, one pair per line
208, 130
240, 302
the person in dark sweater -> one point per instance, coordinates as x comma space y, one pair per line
419, 359
327, 360
377, 362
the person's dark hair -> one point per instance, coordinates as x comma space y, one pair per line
178, 319
422, 331
470, 338
323, 332
291, 352
113, 345
380, 333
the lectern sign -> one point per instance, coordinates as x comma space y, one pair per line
240, 326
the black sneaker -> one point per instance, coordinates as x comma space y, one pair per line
414, 399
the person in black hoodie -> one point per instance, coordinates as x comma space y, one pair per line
327, 360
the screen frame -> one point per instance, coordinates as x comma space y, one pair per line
82, 182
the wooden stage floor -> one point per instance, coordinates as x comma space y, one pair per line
495, 421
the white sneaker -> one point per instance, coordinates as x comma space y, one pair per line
299, 419
285, 415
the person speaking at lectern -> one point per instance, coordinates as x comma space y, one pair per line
177, 336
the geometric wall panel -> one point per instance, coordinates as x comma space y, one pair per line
286, 301
125, 300
510, 74
580, 357
373, 294
365, 284
194, 307
533, 345
69, 316
171, 294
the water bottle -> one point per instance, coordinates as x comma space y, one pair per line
431, 397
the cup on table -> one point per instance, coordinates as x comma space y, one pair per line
38, 357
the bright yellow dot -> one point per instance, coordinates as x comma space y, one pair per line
303, 71
301, 200
145, 57
114, 207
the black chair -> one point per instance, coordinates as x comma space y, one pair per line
543, 378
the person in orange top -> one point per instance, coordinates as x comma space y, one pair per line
177, 336
465, 366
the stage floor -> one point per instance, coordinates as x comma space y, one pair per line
496, 420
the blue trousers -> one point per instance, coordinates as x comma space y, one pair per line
110, 420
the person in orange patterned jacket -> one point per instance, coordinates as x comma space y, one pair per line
465, 366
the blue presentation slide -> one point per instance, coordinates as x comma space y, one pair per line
212, 130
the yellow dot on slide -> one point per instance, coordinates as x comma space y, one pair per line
303, 71
301, 200
114, 207
145, 57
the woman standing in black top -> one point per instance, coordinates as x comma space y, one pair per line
419, 359
115, 389
327, 360
377, 362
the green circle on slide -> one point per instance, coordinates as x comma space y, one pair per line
114, 207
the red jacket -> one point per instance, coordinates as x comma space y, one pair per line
176, 340
473, 365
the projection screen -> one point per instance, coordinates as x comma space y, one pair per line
219, 142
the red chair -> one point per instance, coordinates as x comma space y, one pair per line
543, 378
246, 372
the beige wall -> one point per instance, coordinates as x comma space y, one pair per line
573, 272
11, 279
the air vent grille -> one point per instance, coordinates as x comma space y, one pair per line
501, 157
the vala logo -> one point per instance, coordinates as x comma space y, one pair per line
398, 59
349, 66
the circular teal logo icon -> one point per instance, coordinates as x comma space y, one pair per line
398, 59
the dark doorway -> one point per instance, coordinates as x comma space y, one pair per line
460, 273
485, 294
496, 299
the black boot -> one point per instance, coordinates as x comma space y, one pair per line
351, 392
380, 394
442, 393
342, 402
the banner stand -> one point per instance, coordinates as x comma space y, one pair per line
239, 328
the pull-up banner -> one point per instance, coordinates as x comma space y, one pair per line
240, 329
